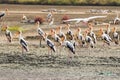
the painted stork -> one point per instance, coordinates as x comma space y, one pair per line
69, 32
88, 39
108, 29
8, 34
60, 33
2, 14
80, 37
49, 16
51, 22
40, 32
55, 36
22, 42
105, 37
69, 45
49, 43
115, 36
92, 34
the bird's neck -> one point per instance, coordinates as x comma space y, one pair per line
20, 36
79, 32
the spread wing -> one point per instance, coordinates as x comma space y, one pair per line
95, 17
75, 19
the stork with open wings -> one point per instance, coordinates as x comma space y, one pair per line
77, 20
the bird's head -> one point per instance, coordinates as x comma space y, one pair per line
86, 31
79, 29
52, 31
107, 25
4, 27
6, 11
59, 28
114, 29
89, 24
37, 23
19, 32
67, 26
100, 32
46, 34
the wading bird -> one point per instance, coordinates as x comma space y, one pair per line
108, 29
80, 37
49, 16
69, 32
2, 14
22, 42
115, 36
8, 34
60, 33
49, 43
105, 37
70, 46
89, 40
92, 34
40, 32
51, 22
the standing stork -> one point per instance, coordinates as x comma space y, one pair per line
60, 33
89, 40
2, 14
22, 42
80, 37
105, 37
51, 22
49, 16
8, 34
92, 34
108, 29
115, 36
49, 43
70, 46
69, 32
55, 36
40, 32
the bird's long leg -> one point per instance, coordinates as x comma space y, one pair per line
49, 51
22, 50
40, 41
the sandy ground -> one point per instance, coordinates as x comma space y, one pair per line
99, 63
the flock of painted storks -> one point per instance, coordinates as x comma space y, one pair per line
88, 39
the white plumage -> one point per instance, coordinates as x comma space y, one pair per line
84, 19
23, 42
40, 31
69, 45
105, 37
8, 35
49, 43
89, 40
115, 36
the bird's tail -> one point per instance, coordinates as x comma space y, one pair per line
92, 44
54, 48
116, 42
26, 48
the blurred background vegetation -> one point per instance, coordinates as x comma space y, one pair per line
65, 2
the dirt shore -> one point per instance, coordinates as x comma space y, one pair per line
99, 63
